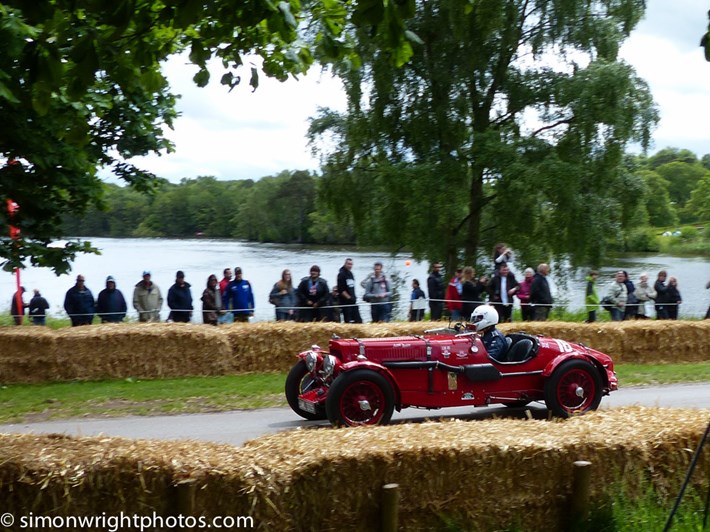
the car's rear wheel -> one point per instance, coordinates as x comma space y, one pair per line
300, 380
575, 387
360, 397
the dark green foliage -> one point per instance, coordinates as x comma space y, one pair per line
274, 209
642, 239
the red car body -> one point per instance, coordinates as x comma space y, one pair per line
361, 381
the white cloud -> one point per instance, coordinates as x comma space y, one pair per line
664, 49
245, 134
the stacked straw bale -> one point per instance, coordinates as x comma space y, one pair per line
484, 475
35, 354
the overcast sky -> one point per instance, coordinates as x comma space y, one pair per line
245, 134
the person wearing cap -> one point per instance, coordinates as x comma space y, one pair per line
180, 299
79, 303
313, 294
38, 308
111, 305
147, 299
18, 306
239, 297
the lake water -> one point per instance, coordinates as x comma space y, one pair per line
262, 264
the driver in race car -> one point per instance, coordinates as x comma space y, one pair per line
485, 318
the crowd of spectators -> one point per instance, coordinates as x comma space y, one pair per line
232, 298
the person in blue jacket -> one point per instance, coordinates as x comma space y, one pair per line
111, 305
239, 297
79, 303
180, 299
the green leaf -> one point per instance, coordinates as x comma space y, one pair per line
285, 9
413, 37
7, 94
188, 13
41, 98
254, 79
202, 78
369, 12
199, 55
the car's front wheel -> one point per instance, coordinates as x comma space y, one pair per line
300, 380
360, 397
574, 387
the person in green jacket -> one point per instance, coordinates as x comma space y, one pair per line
591, 300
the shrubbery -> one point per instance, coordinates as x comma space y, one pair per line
642, 239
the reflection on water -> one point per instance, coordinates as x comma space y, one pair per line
262, 264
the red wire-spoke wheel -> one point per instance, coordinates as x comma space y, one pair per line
575, 387
360, 397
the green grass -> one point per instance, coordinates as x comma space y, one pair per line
34, 402
626, 509
639, 374
53, 323
38, 402
630, 510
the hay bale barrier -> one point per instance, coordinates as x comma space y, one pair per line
482, 475
160, 350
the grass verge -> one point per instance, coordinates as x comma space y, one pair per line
40, 402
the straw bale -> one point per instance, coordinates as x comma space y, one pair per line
175, 349
484, 474
454, 469
271, 346
26, 352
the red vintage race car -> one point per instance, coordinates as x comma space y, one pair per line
362, 381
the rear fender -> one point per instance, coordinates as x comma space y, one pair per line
372, 366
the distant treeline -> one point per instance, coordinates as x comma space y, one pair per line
664, 190
282, 208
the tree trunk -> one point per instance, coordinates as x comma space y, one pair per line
475, 206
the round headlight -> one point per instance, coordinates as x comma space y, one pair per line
311, 360
328, 365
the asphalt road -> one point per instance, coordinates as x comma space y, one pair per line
239, 426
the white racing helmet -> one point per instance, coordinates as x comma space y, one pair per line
484, 316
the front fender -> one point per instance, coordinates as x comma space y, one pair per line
372, 366
553, 364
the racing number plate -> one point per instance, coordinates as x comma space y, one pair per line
307, 406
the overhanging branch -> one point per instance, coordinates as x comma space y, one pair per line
551, 126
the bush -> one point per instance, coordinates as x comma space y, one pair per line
688, 232
642, 239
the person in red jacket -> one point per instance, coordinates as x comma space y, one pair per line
453, 296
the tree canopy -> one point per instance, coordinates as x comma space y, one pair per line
81, 89
511, 118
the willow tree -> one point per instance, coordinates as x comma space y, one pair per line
509, 123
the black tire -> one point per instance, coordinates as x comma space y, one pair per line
349, 392
573, 388
298, 381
